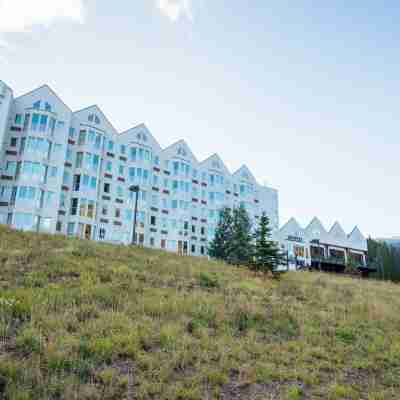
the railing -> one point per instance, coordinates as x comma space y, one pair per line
329, 260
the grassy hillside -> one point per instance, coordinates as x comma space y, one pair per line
81, 320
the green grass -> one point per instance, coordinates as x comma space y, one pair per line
81, 320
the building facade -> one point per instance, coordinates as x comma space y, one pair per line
316, 247
72, 173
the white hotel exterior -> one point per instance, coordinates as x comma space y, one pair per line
70, 173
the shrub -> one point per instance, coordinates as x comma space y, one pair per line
209, 280
345, 335
29, 341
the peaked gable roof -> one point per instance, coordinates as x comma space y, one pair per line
95, 109
180, 149
337, 231
356, 234
44, 90
215, 162
292, 227
244, 173
140, 133
315, 230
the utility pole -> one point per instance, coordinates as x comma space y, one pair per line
134, 189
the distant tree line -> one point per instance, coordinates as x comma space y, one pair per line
385, 258
237, 243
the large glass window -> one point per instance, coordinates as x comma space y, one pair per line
43, 123
18, 119
82, 137
35, 121
24, 221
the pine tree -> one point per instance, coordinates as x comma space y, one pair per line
267, 256
219, 247
241, 244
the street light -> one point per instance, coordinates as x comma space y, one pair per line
134, 189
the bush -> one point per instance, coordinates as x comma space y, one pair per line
209, 280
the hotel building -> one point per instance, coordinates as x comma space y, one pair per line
316, 247
71, 172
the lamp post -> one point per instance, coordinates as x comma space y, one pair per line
134, 189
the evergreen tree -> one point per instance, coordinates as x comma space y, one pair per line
240, 250
219, 247
267, 256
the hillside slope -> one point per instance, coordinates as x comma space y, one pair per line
81, 320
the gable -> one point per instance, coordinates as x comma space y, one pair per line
291, 229
357, 240
243, 173
315, 230
337, 231
180, 150
215, 162
140, 135
45, 99
94, 116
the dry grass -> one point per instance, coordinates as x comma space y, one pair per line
82, 320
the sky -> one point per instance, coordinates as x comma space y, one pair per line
305, 95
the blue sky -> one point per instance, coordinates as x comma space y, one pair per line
305, 95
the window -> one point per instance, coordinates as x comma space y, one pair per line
24, 221
85, 181
76, 183
186, 225
53, 172
203, 230
18, 119
47, 107
193, 229
36, 105
107, 188
13, 142
43, 123
154, 200
121, 170
26, 121
74, 206
82, 137
153, 220
59, 226
128, 215
120, 191
152, 242
79, 160
193, 248
123, 149
98, 140
70, 228
117, 213
202, 250
66, 178
63, 199
110, 146
93, 182
91, 209
35, 121
109, 166
71, 132
104, 210
102, 234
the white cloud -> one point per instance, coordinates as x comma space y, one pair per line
23, 15
176, 9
